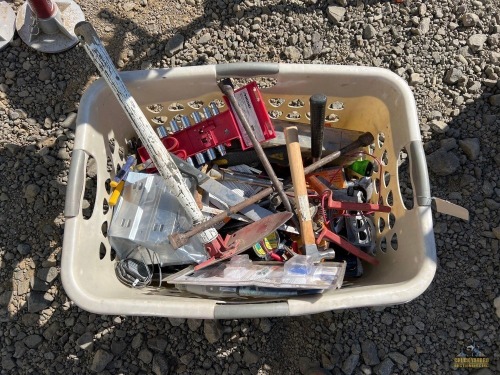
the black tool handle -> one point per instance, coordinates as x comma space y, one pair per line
318, 106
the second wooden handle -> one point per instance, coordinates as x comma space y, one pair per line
299, 185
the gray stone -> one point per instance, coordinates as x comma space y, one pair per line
212, 330
477, 41
335, 14
45, 74
204, 39
118, 347
31, 191
410, 330
176, 322
47, 274
161, 365
415, 79
369, 353
448, 144
100, 360
174, 45
385, 367
471, 147
33, 341
387, 318
496, 232
137, 341
194, 324
38, 301
317, 371
69, 121
250, 357
86, 341
24, 249
399, 358
265, 325
439, 126
145, 356
424, 26
350, 364
292, 53
158, 343
494, 100
443, 163
472, 283
452, 76
369, 32
469, 19
51, 331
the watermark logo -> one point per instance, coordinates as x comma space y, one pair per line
471, 356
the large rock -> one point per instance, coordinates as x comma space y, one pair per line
471, 147
350, 364
452, 76
335, 14
100, 360
443, 163
494, 100
369, 32
174, 45
369, 352
469, 19
476, 42
212, 330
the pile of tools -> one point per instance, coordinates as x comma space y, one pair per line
300, 210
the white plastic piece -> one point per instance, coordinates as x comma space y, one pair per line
375, 100
50, 35
7, 24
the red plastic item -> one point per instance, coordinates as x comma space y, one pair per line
42, 8
221, 129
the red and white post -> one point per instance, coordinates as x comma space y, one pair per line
47, 25
7, 24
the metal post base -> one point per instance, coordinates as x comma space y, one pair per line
51, 35
7, 24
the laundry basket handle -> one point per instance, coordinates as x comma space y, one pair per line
419, 174
76, 181
244, 70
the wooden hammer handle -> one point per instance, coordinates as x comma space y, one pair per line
299, 185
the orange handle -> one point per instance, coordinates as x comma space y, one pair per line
299, 185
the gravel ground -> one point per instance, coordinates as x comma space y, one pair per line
448, 51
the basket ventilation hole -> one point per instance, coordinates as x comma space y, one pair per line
296, 103
102, 251
375, 167
276, 102
275, 114
390, 199
308, 115
177, 117
332, 117
383, 244
196, 104
155, 108
392, 220
121, 153
104, 229
381, 224
371, 149
175, 107
293, 115
105, 206
112, 143
381, 139
394, 241
385, 158
377, 185
90, 189
112, 254
107, 185
109, 164
159, 120
336, 106
387, 178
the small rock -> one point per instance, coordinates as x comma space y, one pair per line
174, 45
100, 360
31, 191
32, 341
496, 303
494, 100
158, 343
472, 283
439, 126
496, 232
265, 325
477, 41
387, 318
118, 347
443, 163
47, 274
194, 324
70, 121
350, 364
137, 341
410, 330
24, 249
292, 53
471, 147
415, 79
369, 353
414, 366
205, 38
399, 358
45, 74
448, 144
317, 371
369, 32
212, 330
145, 356
452, 76
424, 26
250, 357
384, 368
162, 365
335, 14
38, 301
176, 322
127, 7
86, 341
63, 154
469, 19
